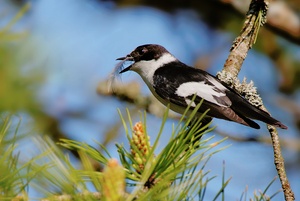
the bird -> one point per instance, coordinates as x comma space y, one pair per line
178, 86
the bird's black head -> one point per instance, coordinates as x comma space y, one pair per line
144, 53
147, 52
147, 58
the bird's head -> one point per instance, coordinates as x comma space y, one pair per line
147, 58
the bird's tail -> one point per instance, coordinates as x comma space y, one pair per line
250, 111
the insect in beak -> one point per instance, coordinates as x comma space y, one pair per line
127, 58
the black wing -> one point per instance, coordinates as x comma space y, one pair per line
169, 78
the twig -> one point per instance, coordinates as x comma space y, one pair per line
279, 164
255, 17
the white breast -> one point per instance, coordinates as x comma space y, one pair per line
146, 69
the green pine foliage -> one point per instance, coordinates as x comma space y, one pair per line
177, 172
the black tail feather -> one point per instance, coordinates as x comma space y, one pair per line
250, 123
246, 109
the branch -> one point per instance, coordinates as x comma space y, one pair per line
131, 93
255, 18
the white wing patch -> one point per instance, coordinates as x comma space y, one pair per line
216, 83
205, 91
188, 102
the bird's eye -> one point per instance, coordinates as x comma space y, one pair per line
142, 51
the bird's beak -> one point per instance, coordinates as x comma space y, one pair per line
121, 58
127, 58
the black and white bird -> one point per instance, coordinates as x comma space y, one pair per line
173, 82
